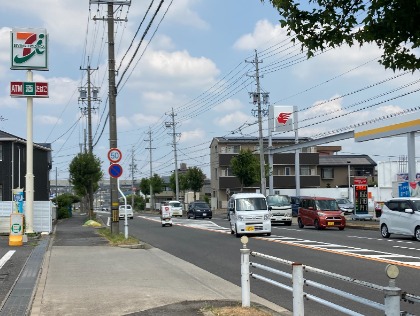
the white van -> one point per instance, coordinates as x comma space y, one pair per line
281, 209
248, 213
130, 213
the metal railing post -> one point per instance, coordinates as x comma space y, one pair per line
245, 283
392, 292
297, 280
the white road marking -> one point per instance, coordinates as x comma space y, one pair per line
6, 257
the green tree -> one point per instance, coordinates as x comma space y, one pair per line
324, 24
157, 185
85, 173
139, 202
246, 167
64, 204
182, 182
195, 179
145, 186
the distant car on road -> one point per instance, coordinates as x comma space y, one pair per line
280, 208
176, 208
345, 205
130, 213
199, 209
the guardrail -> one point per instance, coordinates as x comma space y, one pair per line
392, 294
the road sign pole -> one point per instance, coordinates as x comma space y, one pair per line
125, 209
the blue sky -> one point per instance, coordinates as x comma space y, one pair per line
194, 59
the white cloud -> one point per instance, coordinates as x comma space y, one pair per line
142, 120
264, 32
47, 120
232, 120
229, 105
123, 123
182, 13
188, 136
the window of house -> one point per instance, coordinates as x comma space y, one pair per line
327, 173
305, 171
215, 172
1, 152
287, 171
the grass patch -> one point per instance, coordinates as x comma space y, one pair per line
117, 239
235, 311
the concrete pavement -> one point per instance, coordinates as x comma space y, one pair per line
83, 275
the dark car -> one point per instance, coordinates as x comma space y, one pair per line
295, 201
199, 209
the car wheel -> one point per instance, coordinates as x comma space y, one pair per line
300, 224
195, 216
316, 224
268, 234
417, 233
188, 215
384, 231
341, 228
209, 217
236, 231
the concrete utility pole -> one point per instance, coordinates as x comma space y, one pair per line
133, 168
257, 99
82, 97
115, 226
152, 200
174, 136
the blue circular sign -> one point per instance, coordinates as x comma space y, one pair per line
115, 170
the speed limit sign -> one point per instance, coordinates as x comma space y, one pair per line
114, 155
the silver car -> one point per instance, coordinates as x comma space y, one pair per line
345, 206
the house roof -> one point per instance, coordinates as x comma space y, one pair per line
12, 138
340, 160
255, 139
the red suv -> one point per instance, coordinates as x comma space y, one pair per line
321, 212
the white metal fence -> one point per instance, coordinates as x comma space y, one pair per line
44, 215
392, 294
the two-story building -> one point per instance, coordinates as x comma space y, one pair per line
13, 167
320, 166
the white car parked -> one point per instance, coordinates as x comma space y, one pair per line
130, 213
401, 216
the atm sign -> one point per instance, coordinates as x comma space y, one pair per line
29, 89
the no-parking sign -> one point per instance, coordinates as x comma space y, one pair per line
115, 170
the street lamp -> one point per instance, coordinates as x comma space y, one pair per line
348, 174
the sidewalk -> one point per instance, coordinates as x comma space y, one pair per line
83, 275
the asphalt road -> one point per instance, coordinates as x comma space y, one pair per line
12, 260
359, 254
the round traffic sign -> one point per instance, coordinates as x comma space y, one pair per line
114, 155
115, 170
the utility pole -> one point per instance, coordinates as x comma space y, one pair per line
90, 91
133, 168
174, 136
112, 91
257, 100
152, 200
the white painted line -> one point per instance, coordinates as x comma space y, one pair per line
6, 257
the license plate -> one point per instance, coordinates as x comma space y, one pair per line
204, 214
249, 228
330, 223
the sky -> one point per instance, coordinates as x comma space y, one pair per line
197, 59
